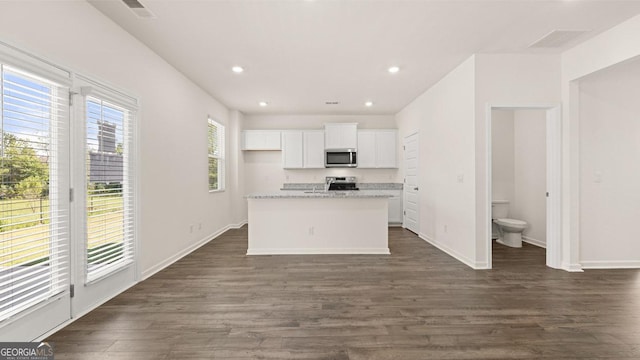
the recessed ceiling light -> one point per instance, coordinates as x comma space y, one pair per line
263, 103
394, 69
237, 69
368, 104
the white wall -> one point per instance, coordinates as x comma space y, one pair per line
172, 120
611, 48
444, 118
609, 170
236, 181
451, 118
530, 174
502, 155
263, 169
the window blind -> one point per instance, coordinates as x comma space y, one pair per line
109, 197
34, 240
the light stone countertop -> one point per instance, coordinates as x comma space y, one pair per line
308, 194
362, 186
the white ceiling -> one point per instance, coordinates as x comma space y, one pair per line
297, 54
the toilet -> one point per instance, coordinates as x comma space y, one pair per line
509, 231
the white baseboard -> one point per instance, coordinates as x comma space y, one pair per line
572, 267
167, 262
535, 242
239, 225
615, 264
472, 264
305, 251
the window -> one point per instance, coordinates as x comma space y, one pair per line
216, 155
34, 250
109, 179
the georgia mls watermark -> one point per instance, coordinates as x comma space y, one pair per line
26, 351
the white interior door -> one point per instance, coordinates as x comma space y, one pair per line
411, 203
103, 203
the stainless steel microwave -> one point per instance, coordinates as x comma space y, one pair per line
340, 158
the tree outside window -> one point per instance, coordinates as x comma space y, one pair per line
216, 155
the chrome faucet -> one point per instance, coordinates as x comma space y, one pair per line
327, 183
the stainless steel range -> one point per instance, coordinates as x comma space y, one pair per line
341, 183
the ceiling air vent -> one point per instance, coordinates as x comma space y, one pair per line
332, 102
138, 8
557, 38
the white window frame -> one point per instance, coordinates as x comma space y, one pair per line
219, 155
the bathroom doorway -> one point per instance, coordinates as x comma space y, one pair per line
524, 174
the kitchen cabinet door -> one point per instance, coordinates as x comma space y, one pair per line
292, 149
341, 136
395, 208
366, 149
313, 149
261, 140
386, 149
377, 149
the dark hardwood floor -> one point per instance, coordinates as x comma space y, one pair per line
418, 303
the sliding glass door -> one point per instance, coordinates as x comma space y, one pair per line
34, 204
104, 183
66, 195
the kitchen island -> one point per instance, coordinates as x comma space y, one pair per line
307, 222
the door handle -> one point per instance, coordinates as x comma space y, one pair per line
415, 188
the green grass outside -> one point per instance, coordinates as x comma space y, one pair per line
23, 213
30, 238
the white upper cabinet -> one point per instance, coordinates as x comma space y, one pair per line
377, 149
366, 149
303, 149
386, 149
261, 140
292, 149
313, 149
341, 136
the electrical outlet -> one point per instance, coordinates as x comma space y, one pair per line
446, 228
199, 226
597, 177
191, 228
311, 231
